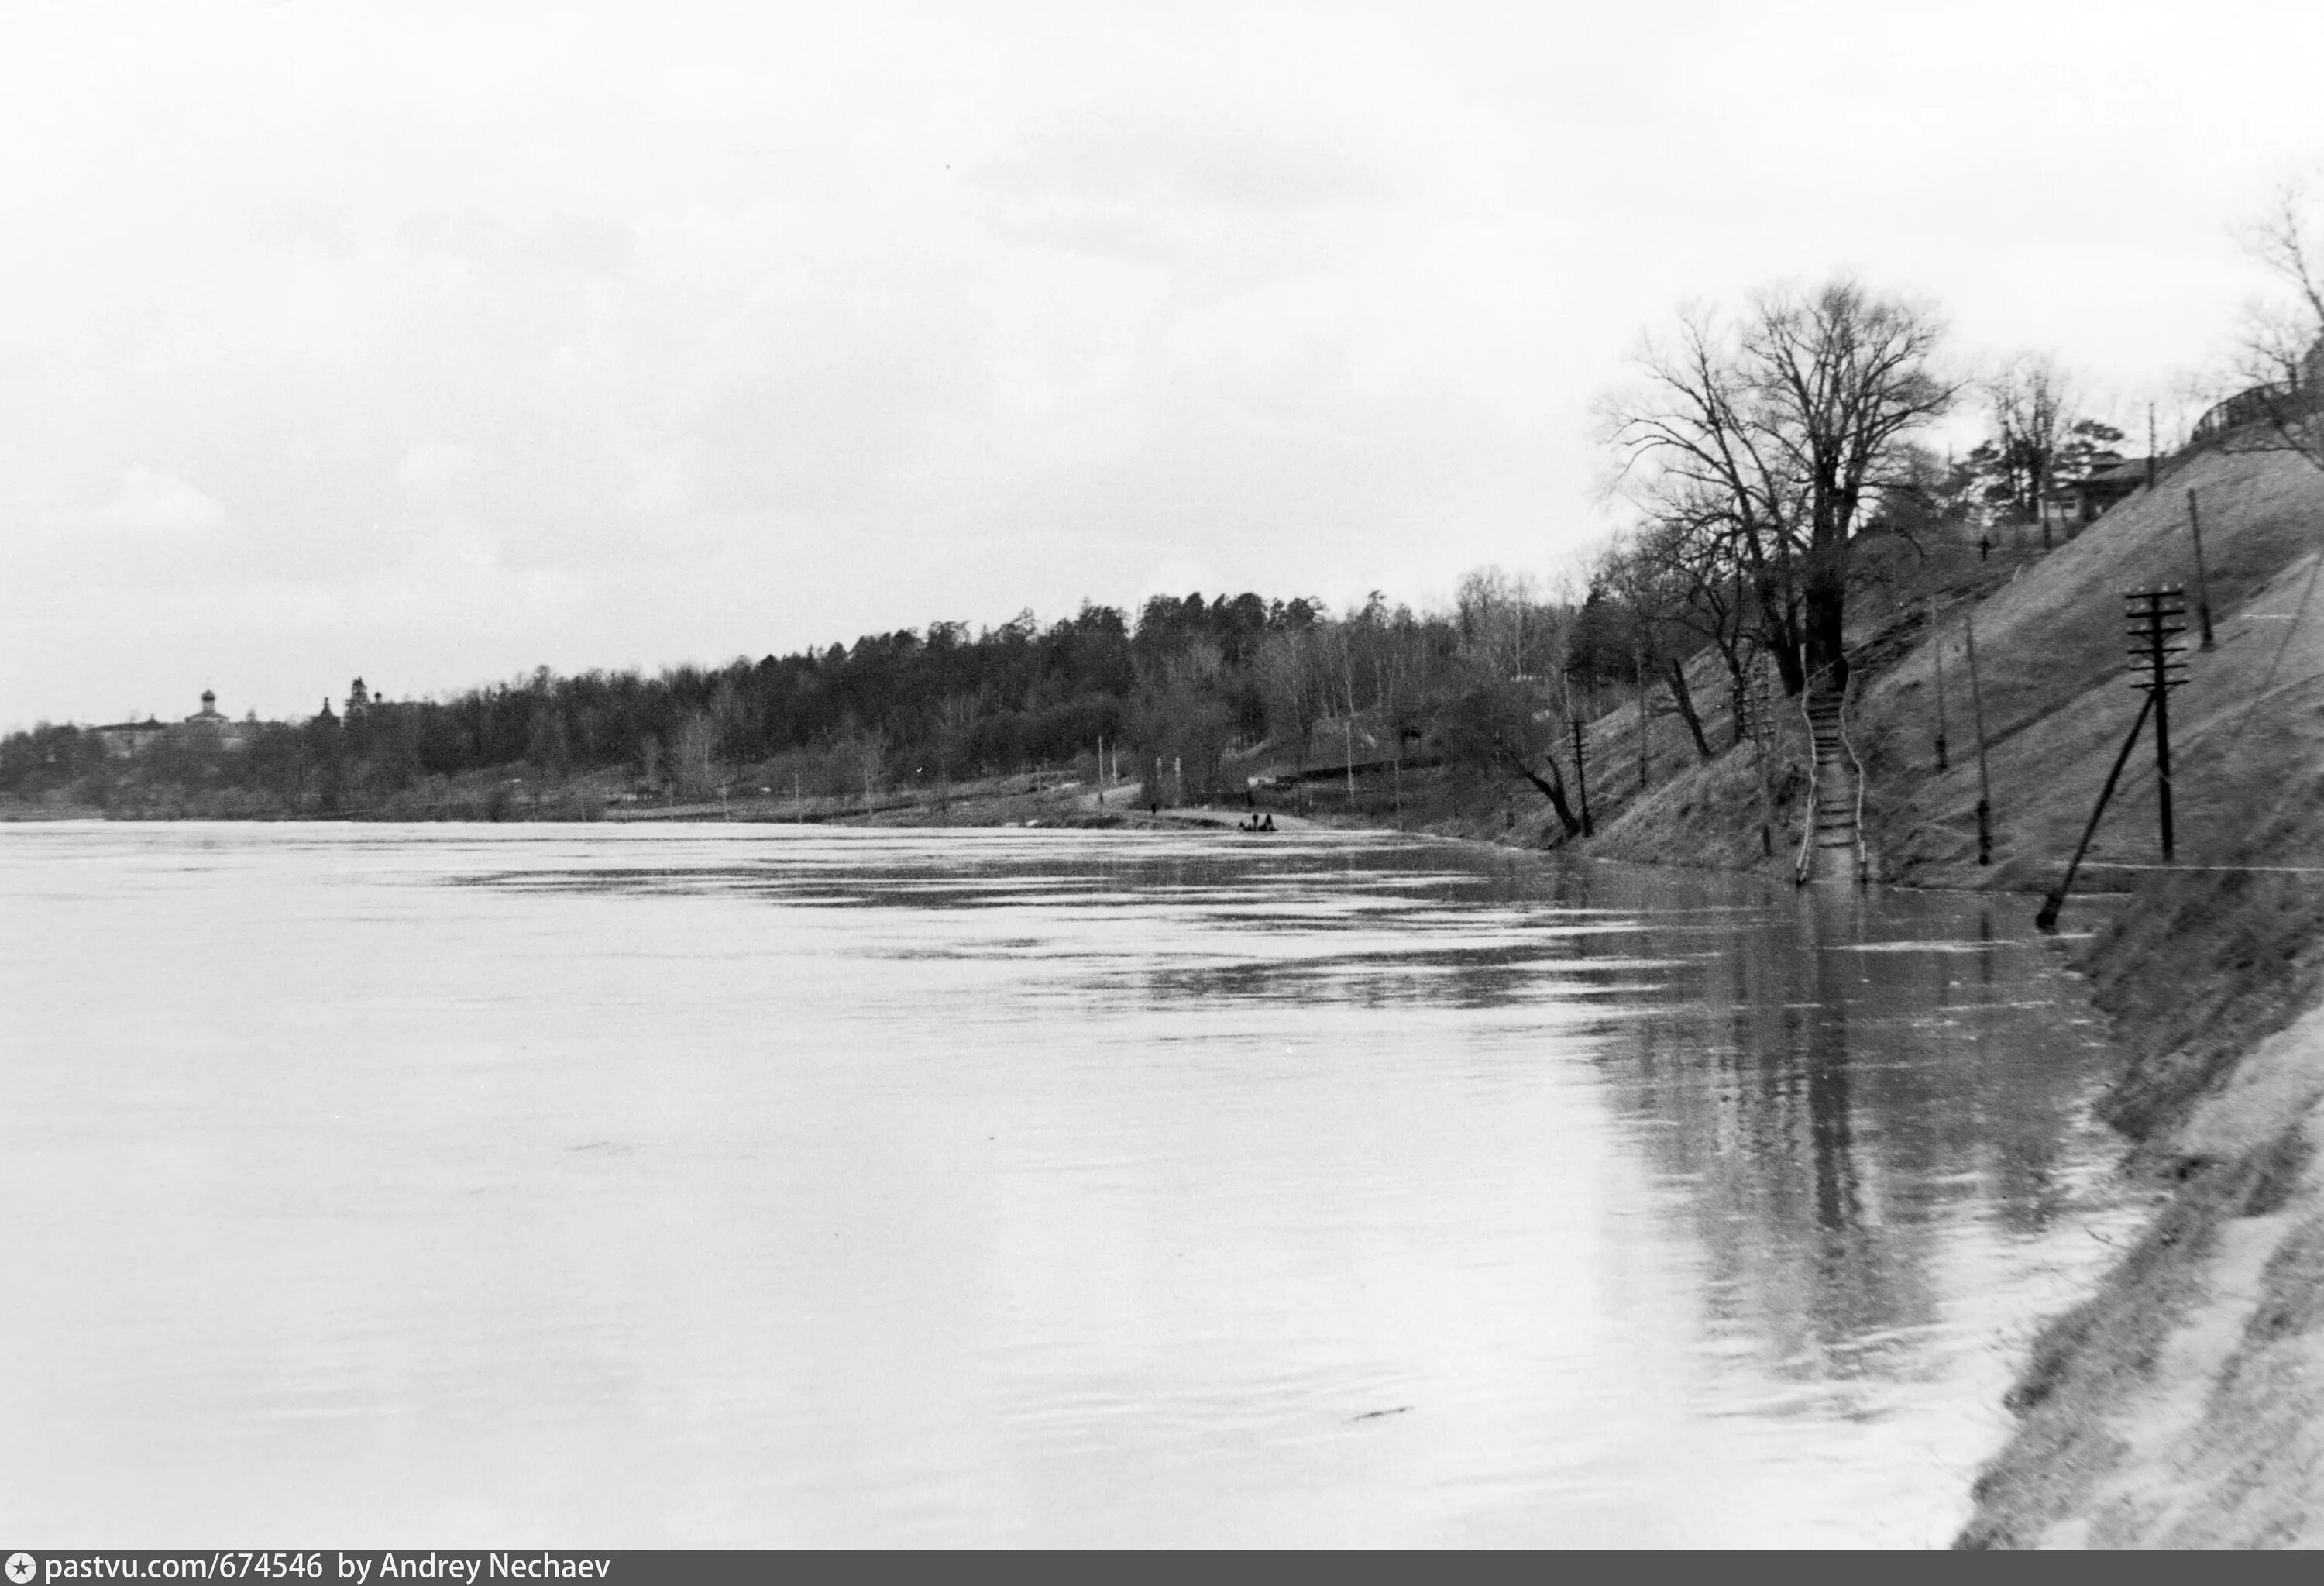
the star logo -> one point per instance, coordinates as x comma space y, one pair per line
22, 1568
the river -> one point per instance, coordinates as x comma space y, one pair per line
753, 1186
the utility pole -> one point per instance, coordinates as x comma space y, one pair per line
2202, 579
2150, 446
2150, 613
1939, 649
1582, 776
1983, 784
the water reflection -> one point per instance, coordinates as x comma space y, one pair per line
1829, 1082
780, 1186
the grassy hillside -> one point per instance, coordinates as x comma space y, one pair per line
2057, 701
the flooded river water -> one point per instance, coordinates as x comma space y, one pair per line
756, 1185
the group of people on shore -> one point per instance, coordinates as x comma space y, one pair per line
1256, 823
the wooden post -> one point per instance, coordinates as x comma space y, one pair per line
2202, 579
2150, 446
1638, 674
1937, 634
1763, 740
1581, 778
1976, 712
2162, 756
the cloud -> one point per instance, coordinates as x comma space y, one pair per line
155, 502
457, 577
433, 467
1157, 189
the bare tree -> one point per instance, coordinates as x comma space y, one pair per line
1696, 444
2283, 350
1655, 599
1771, 437
730, 718
1293, 683
1681, 578
693, 757
1843, 381
1508, 626
857, 759
2033, 421
1505, 725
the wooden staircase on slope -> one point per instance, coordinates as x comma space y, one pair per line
1833, 848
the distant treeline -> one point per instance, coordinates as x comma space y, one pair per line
1188, 683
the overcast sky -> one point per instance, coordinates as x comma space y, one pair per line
433, 344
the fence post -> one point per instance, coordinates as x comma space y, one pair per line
1976, 712
2202, 579
1937, 634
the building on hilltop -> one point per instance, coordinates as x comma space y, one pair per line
2111, 478
208, 727
362, 701
124, 739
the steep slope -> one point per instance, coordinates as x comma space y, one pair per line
2051, 653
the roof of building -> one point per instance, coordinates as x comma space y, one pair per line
2127, 471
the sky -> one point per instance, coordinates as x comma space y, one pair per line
433, 344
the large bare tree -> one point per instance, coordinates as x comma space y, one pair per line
1844, 380
1777, 430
